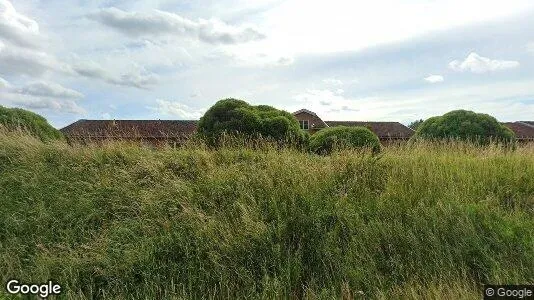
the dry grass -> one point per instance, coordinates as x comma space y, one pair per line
424, 221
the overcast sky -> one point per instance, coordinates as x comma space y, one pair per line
346, 60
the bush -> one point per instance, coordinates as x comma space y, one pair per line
327, 140
238, 118
466, 126
16, 119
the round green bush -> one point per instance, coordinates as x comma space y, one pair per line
238, 118
341, 137
16, 119
466, 126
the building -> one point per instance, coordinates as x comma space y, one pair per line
154, 132
524, 130
386, 131
177, 131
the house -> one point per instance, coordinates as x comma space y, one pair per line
386, 131
524, 130
154, 132
157, 132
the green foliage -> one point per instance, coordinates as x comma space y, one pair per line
123, 222
341, 137
16, 119
415, 124
466, 126
238, 118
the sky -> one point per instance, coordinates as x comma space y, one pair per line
380, 60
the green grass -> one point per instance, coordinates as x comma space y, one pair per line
425, 221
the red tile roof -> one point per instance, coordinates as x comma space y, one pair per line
523, 130
383, 130
130, 128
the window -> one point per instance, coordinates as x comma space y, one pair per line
305, 124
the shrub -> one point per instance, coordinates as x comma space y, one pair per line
14, 119
237, 117
327, 140
415, 124
466, 126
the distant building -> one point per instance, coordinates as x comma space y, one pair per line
177, 131
386, 131
154, 132
524, 130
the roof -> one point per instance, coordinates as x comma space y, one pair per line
523, 130
381, 129
131, 128
321, 124
300, 111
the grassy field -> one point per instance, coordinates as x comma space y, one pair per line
420, 221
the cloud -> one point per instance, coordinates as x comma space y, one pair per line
4, 83
530, 47
42, 96
64, 106
157, 22
333, 81
479, 64
434, 79
139, 78
49, 89
177, 109
16, 28
327, 101
285, 60
16, 61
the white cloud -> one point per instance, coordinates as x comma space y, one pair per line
434, 79
333, 81
157, 22
331, 26
48, 89
479, 64
530, 47
285, 60
138, 77
64, 106
4, 83
176, 109
43, 96
328, 102
17, 28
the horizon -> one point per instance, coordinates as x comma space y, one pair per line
172, 59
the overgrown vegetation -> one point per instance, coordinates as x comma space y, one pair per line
424, 220
237, 117
415, 124
325, 141
17, 119
466, 126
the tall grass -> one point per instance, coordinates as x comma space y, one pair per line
113, 221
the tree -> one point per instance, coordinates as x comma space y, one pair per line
237, 117
14, 119
415, 124
341, 137
467, 126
